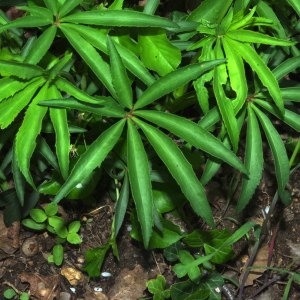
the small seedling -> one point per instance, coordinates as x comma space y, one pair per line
47, 219
10, 293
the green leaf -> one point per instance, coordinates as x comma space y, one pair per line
29, 223
51, 209
210, 11
187, 266
67, 87
189, 290
109, 109
58, 254
237, 76
98, 39
25, 22
11, 107
249, 36
127, 18
287, 66
9, 293
28, 132
180, 169
227, 111
67, 7
291, 93
62, 136
121, 206
173, 80
38, 215
290, 118
281, 159
295, 5
90, 56
38, 11
241, 20
120, 79
74, 227
94, 259
253, 161
52, 5
140, 183
18, 178
193, 134
57, 225
9, 86
169, 235
263, 72
157, 287
20, 70
74, 238
91, 159
156, 51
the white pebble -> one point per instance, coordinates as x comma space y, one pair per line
98, 289
106, 274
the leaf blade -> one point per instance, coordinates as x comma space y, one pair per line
180, 169
91, 159
172, 80
139, 177
193, 134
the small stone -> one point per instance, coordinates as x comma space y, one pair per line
30, 247
72, 275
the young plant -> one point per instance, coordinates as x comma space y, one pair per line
47, 219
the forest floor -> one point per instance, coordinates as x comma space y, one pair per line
24, 266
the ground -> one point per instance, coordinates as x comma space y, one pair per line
24, 266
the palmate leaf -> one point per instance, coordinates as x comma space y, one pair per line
140, 183
279, 153
91, 159
62, 136
253, 161
28, 132
180, 169
128, 18
173, 80
11, 107
120, 78
98, 39
157, 52
263, 72
193, 134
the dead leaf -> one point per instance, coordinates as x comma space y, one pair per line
130, 284
261, 262
41, 287
9, 237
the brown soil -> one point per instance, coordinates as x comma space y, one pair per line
24, 266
